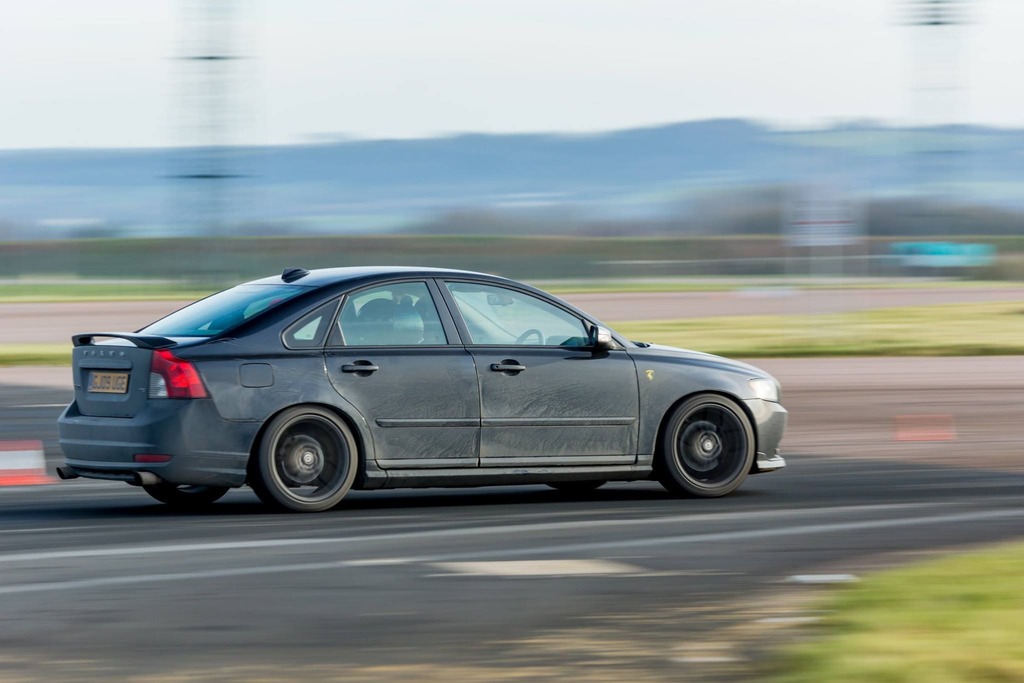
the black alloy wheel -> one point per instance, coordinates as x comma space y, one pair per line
307, 460
707, 447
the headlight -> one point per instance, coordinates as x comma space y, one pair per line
765, 389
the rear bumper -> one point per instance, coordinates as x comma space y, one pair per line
770, 424
204, 448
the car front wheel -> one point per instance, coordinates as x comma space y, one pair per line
707, 447
306, 461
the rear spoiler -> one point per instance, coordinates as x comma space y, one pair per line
143, 341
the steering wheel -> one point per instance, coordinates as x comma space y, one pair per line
532, 332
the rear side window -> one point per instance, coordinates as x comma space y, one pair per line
223, 310
308, 332
395, 314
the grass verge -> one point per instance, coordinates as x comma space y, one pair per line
943, 330
35, 354
955, 620
55, 292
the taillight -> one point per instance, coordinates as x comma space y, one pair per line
171, 377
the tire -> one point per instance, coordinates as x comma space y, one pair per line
186, 497
306, 462
706, 448
577, 487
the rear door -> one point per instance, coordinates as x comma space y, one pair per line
546, 397
389, 356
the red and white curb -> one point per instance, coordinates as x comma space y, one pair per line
23, 463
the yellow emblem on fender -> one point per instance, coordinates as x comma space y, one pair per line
650, 375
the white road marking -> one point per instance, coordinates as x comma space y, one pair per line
39, 405
958, 485
541, 550
449, 533
45, 529
705, 659
823, 578
232, 572
539, 568
751, 534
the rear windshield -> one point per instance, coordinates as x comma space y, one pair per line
223, 310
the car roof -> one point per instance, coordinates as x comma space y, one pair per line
321, 277
330, 281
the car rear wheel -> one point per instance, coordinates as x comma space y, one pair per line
185, 497
306, 461
577, 487
707, 447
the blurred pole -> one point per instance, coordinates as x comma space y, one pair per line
205, 170
938, 157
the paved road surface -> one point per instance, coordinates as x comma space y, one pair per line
98, 583
27, 323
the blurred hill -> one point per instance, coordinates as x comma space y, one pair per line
718, 176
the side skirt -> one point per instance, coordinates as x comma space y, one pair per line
500, 476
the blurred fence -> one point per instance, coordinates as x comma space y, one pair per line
214, 261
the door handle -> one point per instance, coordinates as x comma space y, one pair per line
360, 366
507, 366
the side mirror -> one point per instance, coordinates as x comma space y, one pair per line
601, 338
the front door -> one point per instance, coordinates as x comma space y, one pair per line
547, 398
389, 357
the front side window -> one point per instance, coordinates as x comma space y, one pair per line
223, 310
397, 314
500, 316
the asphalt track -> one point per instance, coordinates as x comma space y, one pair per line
890, 461
34, 323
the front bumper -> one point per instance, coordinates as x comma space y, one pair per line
205, 448
769, 424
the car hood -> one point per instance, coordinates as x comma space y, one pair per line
700, 358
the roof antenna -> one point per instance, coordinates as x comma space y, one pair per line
293, 274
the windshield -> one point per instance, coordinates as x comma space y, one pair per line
223, 310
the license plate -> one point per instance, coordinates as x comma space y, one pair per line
108, 382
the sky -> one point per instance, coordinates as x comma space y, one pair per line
104, 73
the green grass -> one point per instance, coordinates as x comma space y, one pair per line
955, 620
944, 330
57, 291
35, 354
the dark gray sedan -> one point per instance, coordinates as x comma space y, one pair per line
308, 384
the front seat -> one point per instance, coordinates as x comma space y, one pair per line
407, 325
375, 324
433, 333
